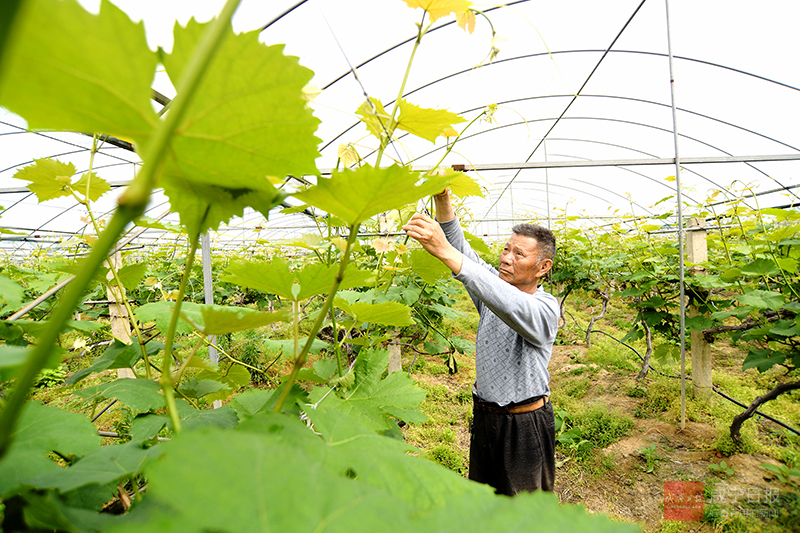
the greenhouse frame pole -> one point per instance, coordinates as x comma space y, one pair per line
680, 223
208, 287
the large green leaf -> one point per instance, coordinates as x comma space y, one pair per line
375, 117
11, 294
14, 358
762, 299
47, 178
426, 123
194, 419
66, 69
49, 511
161, 313
197, 388
760, 267
234, 376
101, 466
117, 355
97, 186
141, 395
41, 430
131, 275
763, 360
247, 121
202, 207
280, 476
287, 346
276, 277
356, 195
372, 401
219, 319
387, 313
268, 478
427, 267
463, 186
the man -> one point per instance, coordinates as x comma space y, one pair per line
512, 445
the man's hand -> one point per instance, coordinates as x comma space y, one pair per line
429, 234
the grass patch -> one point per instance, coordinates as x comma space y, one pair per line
659, 397
611, 355
600, 426
448, 457
576, 388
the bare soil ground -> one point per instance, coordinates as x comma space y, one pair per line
627, 490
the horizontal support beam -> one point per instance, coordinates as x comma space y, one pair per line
616, 162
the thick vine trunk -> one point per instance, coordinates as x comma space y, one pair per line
649, 338
562, 318
605, 296
739, 419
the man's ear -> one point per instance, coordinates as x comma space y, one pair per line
544, 267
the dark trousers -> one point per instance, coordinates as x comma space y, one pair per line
513, 452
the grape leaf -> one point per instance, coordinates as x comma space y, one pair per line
219, 320
49, 178
762, 299
197, 388
41, 430
160, 313
103, 465
428, 267
141, 395
440, 8
117, 355
14, 358
131, 275
426, 123
11, 293
386, 313
375, 117
760, 267
247, 121
269, 476
194, 419
372, 400
276, 277
97, 186
80, 84
235, 376
272, 466
145, 427
463, 186
203, 207
763, 360
356, 195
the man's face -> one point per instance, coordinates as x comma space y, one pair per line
519, 263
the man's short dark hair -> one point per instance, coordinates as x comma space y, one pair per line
544, 238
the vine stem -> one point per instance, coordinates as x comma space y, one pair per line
396, 106
130, 205
114, 272
301, 358
61, 313
166, 380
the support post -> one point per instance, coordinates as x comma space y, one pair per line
395, 356
208, 290
697, 252
118, 314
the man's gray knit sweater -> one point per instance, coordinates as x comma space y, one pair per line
516, 330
